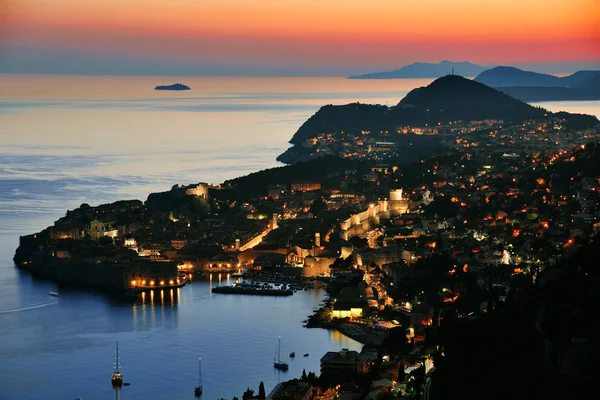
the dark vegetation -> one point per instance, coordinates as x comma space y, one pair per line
542, 343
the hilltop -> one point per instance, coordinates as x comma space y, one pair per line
449, 98
454, 98
425, 70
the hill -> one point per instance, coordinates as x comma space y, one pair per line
425, 70
531, 86
450, 98
580, 78
512, 77
454, 98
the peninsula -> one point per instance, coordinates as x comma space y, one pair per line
446, 101
175, 86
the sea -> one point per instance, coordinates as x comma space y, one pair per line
72, 139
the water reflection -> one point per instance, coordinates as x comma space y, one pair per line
168, 315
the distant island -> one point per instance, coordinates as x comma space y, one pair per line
533, 86
426, 70
175, 86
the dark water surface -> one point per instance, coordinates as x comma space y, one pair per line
63, 347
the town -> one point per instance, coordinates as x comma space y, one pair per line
413, 254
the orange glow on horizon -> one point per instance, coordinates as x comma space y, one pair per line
508, 31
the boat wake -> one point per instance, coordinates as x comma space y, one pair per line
27, 307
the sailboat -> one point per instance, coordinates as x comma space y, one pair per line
277, 363
198, 389
117, 378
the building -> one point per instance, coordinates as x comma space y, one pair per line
199, 190
276, 191
305, 186
178, 244
350, 303
420, 319
100, 229
343, 362
291, 390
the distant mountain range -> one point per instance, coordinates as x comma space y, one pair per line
426, 70
533, 86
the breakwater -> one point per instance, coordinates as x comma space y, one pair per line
252, 291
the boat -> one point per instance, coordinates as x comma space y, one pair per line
237, 274
277, 363
198, 390
117, 377
292, 354
53, 294
306, 355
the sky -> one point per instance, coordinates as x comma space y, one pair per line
293, 37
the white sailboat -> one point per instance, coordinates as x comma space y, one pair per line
117, 378
198, 389
277, 363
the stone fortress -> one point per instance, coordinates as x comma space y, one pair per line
358, 224
199, 190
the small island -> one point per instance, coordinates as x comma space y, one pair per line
175, 86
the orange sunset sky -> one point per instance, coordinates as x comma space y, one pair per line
291, 35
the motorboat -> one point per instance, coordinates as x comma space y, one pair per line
306, 355
292, 354
53, 294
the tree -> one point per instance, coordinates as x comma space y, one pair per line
317, 206
105, 241
248, 394
304, 378
261, 390
359, 243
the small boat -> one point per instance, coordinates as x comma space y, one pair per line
198, 390
126, 384
117, 377
292, 354
277, 363
53, 294
306, 355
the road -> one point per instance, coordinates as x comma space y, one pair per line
427, 389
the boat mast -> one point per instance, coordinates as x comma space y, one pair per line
200, 372
279, 350
117, 363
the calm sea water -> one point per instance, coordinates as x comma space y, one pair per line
66, 140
